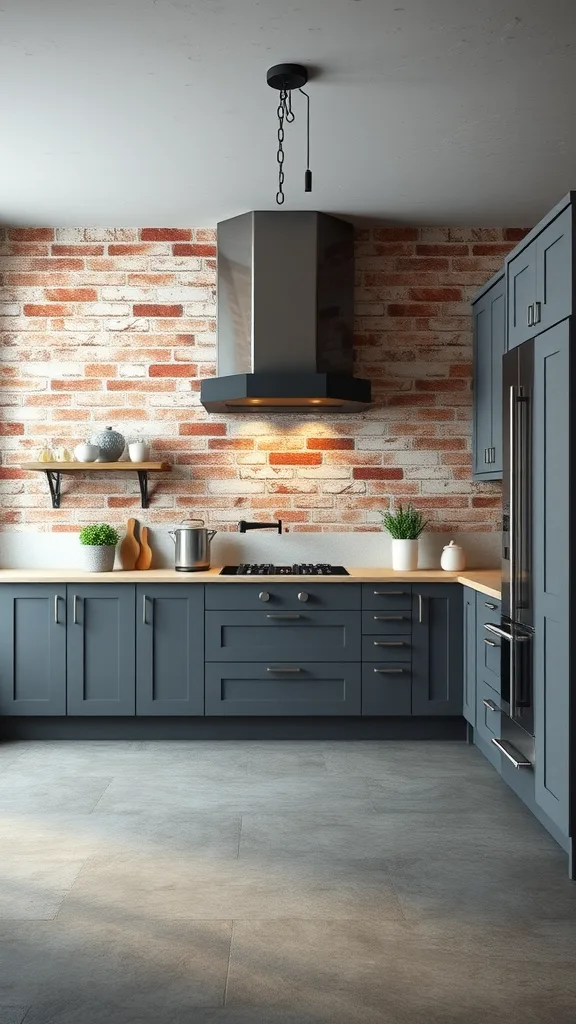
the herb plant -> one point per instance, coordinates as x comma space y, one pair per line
404, 523
99, 534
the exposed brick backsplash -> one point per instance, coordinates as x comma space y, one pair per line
117, 326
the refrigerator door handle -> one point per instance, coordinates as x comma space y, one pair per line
512, 497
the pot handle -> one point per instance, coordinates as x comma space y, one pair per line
172, 534
190, 519
211, 534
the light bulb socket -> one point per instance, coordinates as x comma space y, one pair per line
308, 180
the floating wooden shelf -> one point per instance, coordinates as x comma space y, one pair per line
54, 470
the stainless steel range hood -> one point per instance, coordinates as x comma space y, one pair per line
285, 312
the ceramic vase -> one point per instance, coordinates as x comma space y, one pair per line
452, 558
404, 555
98, 557
111, 444
87, 452
139, 451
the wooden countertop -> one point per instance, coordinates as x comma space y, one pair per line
487, 581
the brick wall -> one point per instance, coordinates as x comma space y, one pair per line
117, 326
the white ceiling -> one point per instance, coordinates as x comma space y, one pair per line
157, 112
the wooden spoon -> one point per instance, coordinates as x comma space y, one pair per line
144, 560
129, 548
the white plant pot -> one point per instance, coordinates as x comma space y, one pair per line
404, 555
98, 557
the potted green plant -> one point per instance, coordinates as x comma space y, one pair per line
404, 524
98, 547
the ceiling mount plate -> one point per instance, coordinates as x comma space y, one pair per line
287, 76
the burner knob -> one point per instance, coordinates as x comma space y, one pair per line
302, 596
264, 595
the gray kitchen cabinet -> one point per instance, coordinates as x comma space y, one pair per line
469, 655
488, 719
489, 320
488, 650
287, 688
264, 596
101, 676
170, 649
32, 649
437, 649
540, 277
387, 597
521, 293
387, 688
273, 637
551, 571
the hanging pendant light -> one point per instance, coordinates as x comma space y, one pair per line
286, 78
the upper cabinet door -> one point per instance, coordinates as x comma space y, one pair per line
101, 661
521, 274
554, 273
170, 649
32, 649
489, 347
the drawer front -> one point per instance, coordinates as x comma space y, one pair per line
390, 647
293, 688
269, 596
387, 689
387, 596
487, 720
384, 621
279, 636
489, 609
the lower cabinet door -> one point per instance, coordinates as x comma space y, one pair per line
295, 688
387, 689
469, 659
437, 649
488, 717
32, 649
170, 649
101, 649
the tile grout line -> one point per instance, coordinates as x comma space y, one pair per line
102, 794
225, 996
239, 837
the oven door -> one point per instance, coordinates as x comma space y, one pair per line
517, 697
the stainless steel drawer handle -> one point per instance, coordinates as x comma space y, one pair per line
145, 599
288, 615
492, 607
490, 643
519, 638
56, 608
388, 618
490, 705
284, 669
389, 671
75, 609
388, 593
388, 643
513, 755
537, 313
530, 316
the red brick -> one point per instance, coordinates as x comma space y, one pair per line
377, 473
435, 294
395, 234
447, 444
515, 234
173, 370
59, 249
494, 501
52, 263
11, 474
71, 295
295, 459
11, 429
74, 385
100, 370
130, 249
441, 249
441, 384
491, 249
123, 502
151, 309
202, 428
48, 310
246, 443
422, 264
331, 443
31, 234
166, 234
412, 309
194, 249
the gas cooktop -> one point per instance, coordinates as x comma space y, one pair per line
300, 569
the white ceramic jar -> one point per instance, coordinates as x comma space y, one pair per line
404, 555
139, 451
87, 452
453, 558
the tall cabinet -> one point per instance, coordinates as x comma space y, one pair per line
489, 321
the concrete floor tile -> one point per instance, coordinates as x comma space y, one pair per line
32, 887
37, 793
13, 1014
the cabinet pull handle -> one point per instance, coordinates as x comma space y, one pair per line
485, 456
303, 596
420, 608
56, 608
492, 607
144, 600
513, 755
263, 595
490, 643
388, 643
385, 593
490, 705
537, 313
75, 609
530, 316
389, 671
284, 669
388, 618
288, 615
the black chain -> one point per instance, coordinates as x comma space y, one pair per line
281, 111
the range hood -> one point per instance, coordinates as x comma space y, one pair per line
285, 316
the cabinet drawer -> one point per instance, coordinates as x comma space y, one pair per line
279, 636
489, 610
487, 720
387, 647
291, 688
387, 596
385, 621
261, 594
387, 689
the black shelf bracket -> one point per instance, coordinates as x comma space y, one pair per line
143, 481
55, 485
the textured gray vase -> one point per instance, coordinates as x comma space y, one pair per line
98, 557
111, 444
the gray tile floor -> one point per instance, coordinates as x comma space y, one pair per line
276, 883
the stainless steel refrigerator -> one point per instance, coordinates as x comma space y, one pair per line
516, 630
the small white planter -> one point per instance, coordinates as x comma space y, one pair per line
404, 555
98, 557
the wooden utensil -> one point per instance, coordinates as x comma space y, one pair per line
144, 560
129, 548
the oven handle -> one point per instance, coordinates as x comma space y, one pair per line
498, 631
